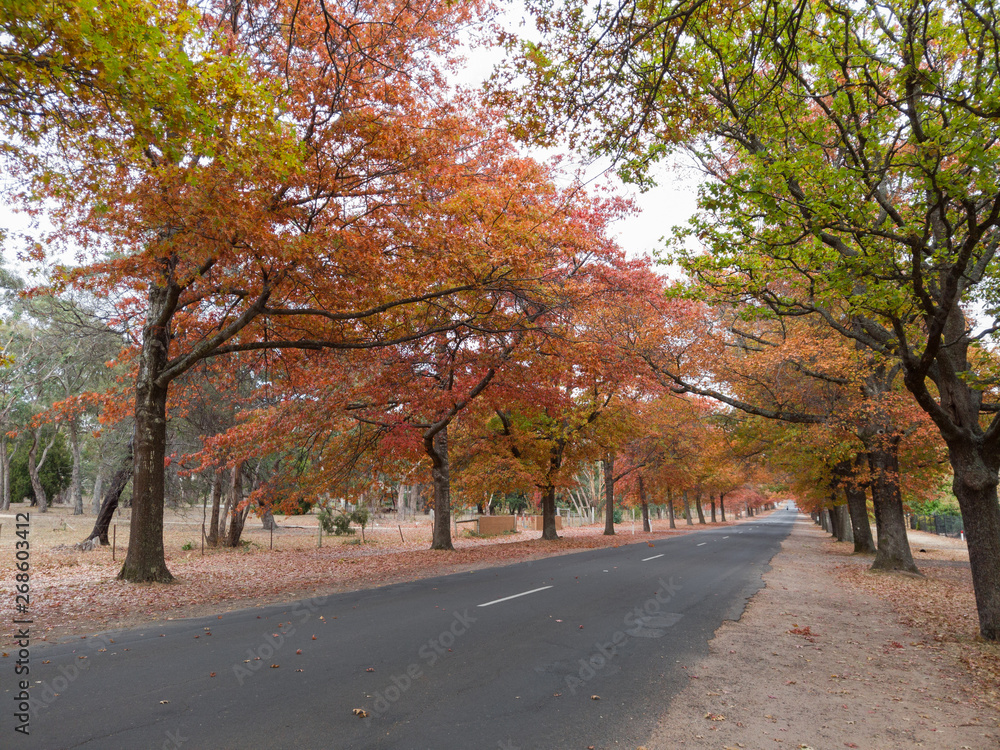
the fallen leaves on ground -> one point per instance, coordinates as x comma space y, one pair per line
943, 605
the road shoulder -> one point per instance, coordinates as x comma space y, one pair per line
815, 664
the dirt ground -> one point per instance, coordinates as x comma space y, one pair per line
823, 658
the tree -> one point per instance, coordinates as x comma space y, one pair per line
228, 240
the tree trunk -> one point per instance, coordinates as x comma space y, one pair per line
893, 545
76, 484
645, 505
670, 508
722, 507
267, 520
212, 532
687, 508
111, 498
711, 499
857, 504
4, 474
33, 467
220, 533
436, 446
237, 511
975, 486
697, 504
145, 561
835, 527
549, 531
608, 463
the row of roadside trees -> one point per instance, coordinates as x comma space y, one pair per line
305, 238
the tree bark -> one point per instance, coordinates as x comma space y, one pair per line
436, 446
212, 532
76, 484
697, 504
857, 503
722, 506
4, 474
238, 512
687, 508
670, 507
608, 464
145, 561
34, 467
267, 520
893, 551
975, 486
111, 498
711, 499
857, 506
549, 530
645, 505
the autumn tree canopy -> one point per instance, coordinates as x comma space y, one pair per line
850, 151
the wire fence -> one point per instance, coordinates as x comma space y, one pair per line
940, 525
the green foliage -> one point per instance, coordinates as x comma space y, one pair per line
54, 475
339, 524
360, 516
935, 507
187, 546
618, 515
335, 523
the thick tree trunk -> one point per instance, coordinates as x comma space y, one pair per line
846, 529
722, 507
670, 507
608, 463
835, 527
711, 499
549, 513
975, 486
893, 545
145, 561
697, 504
111, 498
687, 508
857, 504
436, 446
645, 505
76, 483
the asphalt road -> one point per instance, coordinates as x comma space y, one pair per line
502, 658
